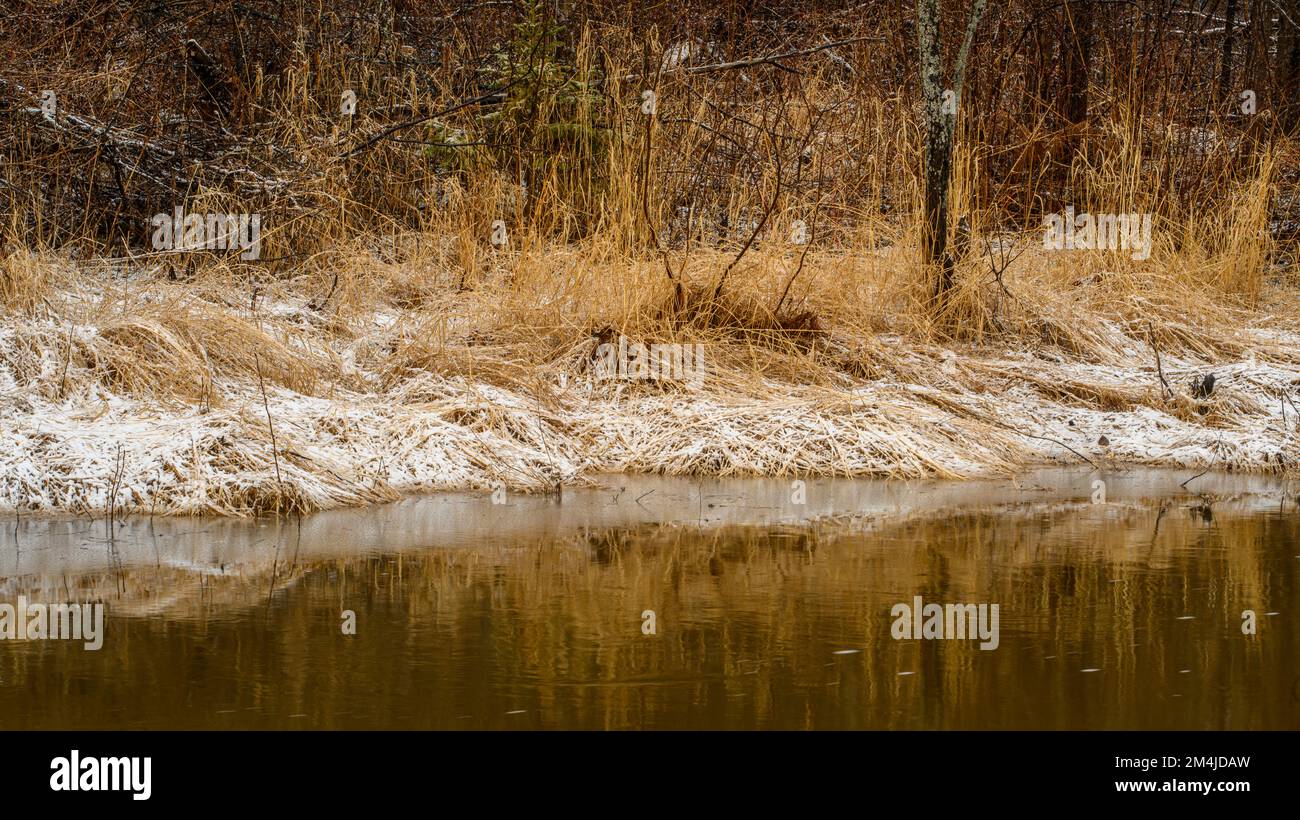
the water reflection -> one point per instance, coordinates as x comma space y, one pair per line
1123, 615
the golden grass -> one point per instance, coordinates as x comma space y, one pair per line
375, 393
382, 319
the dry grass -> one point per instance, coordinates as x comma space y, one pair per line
401, 349
378, 393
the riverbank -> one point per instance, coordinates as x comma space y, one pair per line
200, 397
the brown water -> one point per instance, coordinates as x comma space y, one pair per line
767, 614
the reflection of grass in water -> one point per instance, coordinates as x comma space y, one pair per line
748, 620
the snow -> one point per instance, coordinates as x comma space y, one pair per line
985, 412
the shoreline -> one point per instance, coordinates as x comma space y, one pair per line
163, 398
57, 546
357, 450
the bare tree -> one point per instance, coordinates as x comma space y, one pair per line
940, 111
1076, 45
1288, 58
1225, 63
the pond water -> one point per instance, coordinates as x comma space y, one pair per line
773, 606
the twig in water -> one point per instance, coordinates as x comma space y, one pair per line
1198, 475
115, 484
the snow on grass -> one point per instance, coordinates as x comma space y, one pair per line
361, 436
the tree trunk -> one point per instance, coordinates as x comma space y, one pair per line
1289, 66
938, 147
1077, 44
1225, 65
940, 112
